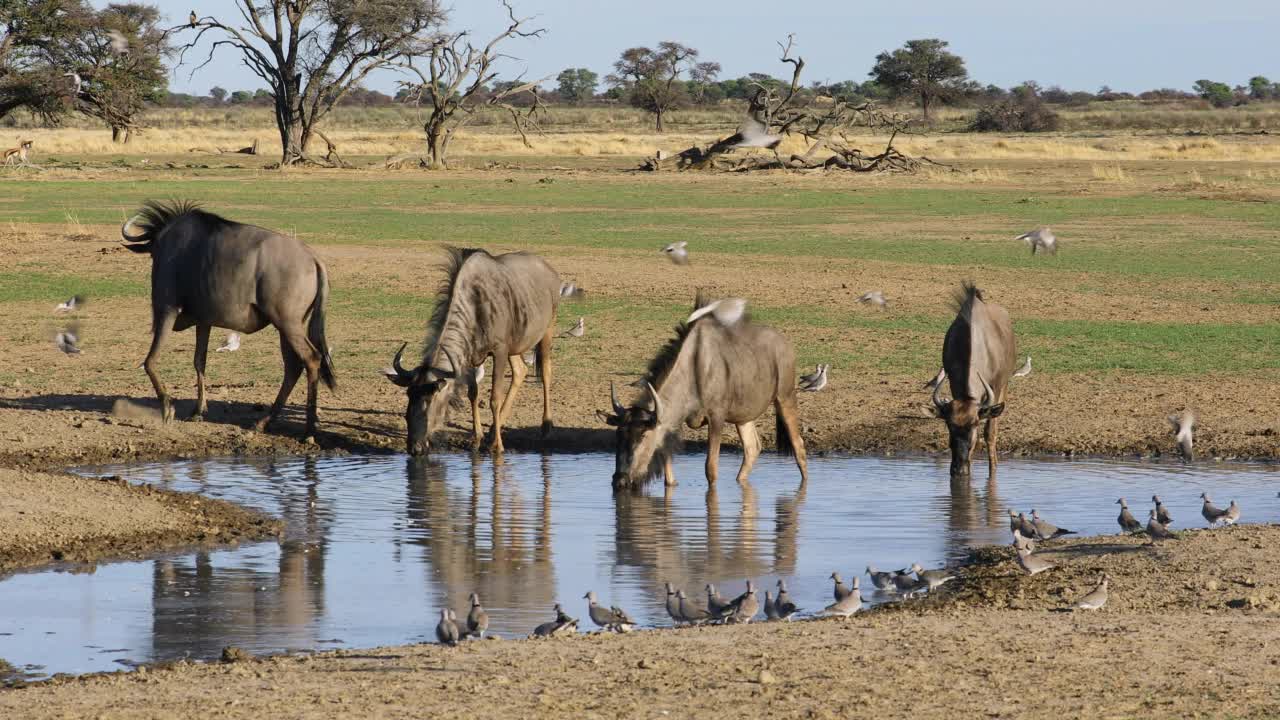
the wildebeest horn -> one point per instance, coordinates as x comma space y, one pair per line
937, 397
395, 363
988, 395
657, 404
618, 409
124, 230
453, 366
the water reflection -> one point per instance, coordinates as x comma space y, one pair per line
372, 547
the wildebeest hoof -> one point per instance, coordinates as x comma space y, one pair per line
196, 416
261, 425
166, 415
546, 427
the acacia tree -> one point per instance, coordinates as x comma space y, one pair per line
28, 28
111, 82
924, 68
652, 78
702, 76
453, 83
311, 53
577, 85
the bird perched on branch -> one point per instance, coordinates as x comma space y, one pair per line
192, 20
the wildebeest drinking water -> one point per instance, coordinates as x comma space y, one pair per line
978, 357
209, 272
488, 306
719, 368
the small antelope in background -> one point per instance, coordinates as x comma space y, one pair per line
17, 155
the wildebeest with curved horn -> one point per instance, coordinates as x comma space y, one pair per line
719, 368
978, 357
209, 272
499, 306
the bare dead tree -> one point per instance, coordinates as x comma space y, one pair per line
776, 111
311, 53
453, 83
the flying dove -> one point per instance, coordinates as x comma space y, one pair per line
119, 43
577, 330
727, 311
1232, 514
1184, 428
816, 380
874, 297
1040, 240
678, 252
68, 339
572, 291
71, 305
232, 343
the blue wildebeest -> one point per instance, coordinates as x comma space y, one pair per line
499, 306
719, 368
209, 272
978, 357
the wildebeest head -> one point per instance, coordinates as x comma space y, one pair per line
423, 385
641, 442
962, 416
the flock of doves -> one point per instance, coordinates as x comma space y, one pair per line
67, 339
904, 583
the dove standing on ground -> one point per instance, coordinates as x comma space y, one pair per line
934, 579
1047, 530
1014, 522
874, 297
1022, 542
1128, 523
849, 604
578, 330
935, 382
907, 585
881, 580
840, 592
562, 625
1040, 240
673, 605
786, 608
1184, 429
1032, 564
446, 629
744, 607
1212, 513
612, 618
715, 601
68, 339
232, 343
69, 306
1156, 530
477, 619
691, 612
816, 380
1232, 514
1025, 370
1095, 599
678, 252
1026, 527
1162, 513
770, 609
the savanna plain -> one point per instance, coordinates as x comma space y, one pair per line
1163, 296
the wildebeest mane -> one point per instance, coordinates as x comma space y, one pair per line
155, 216
963, 302
454, 260
661, 363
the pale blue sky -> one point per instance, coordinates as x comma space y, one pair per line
1080, 44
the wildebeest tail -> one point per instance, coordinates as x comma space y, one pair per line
785, 448
315, 328
150, 220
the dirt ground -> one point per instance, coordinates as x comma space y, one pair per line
55, 517
1190, 630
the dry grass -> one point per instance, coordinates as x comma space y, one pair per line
1110, 173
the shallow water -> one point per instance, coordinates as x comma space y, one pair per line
375, 546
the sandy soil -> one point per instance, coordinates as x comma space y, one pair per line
1190, 631
54, 517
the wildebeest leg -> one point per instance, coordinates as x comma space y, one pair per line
305, 351
473, 394
292, 370
161, 326
750, 448
202, 353
518, 373
989, 435
715, 427
786, 409
668, 472
500, 362
544, 368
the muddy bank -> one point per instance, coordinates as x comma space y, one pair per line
55, 517
1190, 631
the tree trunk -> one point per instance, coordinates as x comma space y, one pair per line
117, 133
658, 115
924, 104
437, 142
291, 119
